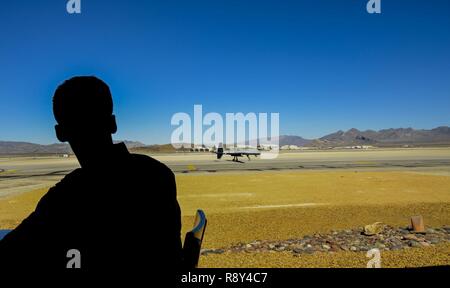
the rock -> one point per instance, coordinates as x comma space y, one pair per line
335, 248
344, 247
425, 244
380, 245
410, 237
374, 228
434, 240
404, 231
414, 244
297, 250
309, 250
294, 246
212, 251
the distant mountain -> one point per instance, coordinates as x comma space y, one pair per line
350, 137
131, 144
293, 140
12, 147
165, 148
386, 137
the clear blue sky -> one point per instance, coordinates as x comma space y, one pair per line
323, 65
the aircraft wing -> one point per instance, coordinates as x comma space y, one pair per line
243, 152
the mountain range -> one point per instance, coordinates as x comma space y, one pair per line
385, 137
382, 138
12, 147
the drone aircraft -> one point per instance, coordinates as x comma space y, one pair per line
236, 153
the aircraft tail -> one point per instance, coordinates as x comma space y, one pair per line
219, 153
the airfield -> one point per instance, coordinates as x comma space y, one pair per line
24, 173
299, 193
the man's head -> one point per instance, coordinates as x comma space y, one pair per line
83, 109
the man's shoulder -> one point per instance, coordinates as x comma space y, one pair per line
73, 176
148, 163
68, 181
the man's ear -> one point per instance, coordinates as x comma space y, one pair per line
113, 125
60, 133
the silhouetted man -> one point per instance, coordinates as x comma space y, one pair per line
119, 210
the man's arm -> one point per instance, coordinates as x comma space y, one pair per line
19, 246
176, 220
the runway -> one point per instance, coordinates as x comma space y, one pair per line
21, 174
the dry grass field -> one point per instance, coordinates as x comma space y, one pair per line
248, 206
283, 205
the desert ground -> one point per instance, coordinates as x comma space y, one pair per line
299, 194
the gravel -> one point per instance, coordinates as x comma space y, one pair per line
345, 240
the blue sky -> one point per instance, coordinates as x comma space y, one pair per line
324, 65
